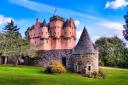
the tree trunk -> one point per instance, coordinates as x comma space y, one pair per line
0, 60
5, 60
16, 61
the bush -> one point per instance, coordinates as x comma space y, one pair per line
100, 74
55, 67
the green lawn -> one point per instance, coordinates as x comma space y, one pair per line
25, 75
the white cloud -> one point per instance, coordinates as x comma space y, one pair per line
115, 4
4, 19
119, 34
78, 34
41, 7
77, 22
112, 25
95, 38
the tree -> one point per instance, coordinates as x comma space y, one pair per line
13, 45
11, 27
111, 51
26, 38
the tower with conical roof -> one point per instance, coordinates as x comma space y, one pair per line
85, 56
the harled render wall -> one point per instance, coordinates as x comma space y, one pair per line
53, 37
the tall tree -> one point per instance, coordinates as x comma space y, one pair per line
14, 46
11, 27
111, 51
125, 31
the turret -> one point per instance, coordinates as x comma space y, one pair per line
37, 24
73, 28
46, 44
67, 29
44, 30
68, 35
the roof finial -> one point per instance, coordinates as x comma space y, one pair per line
55, 10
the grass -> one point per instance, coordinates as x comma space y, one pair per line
27, 75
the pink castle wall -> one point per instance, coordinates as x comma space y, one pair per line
54, 36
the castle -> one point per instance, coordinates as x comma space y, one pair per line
56, 41
57, 34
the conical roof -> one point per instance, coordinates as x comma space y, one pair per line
84, 44
67, 23
44, 24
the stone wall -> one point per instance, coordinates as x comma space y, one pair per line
45, 57
85, 63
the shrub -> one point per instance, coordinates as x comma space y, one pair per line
55, 67
100, 74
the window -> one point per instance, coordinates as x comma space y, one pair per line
89, 68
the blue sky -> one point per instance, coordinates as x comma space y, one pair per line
101, 17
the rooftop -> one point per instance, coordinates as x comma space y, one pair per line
84, 44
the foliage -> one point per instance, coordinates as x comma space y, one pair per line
13, 45
111, 51
100, 74
55, 67
26, 38
10, 27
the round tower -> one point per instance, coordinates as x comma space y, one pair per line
85, 56
45, 40
69, 41
35, 34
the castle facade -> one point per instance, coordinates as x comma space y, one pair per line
56, 40
57, 34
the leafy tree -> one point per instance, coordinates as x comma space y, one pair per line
111, 51
11, 27
13, 45
26, 38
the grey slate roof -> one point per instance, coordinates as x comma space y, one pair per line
84, 44
56, 18
44, 24
67, 23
